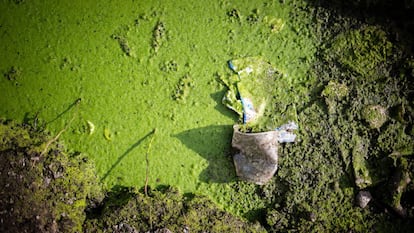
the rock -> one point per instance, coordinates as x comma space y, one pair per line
312, 217
363, 198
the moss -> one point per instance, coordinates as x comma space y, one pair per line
42, 193
398, 186
363, 50
362, 174
164, 207
318, 195
333, 93
337, 151
12, 134
394, 139
209, 218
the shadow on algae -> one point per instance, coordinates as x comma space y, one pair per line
203, 140
120, 158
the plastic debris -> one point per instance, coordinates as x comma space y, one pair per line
285, 132
251, 93
251, 90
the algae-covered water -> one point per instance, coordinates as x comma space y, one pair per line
136, 87
139, 66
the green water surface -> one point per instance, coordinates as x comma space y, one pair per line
103, 52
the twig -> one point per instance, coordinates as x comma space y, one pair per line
147, 162
63, 130
147, 173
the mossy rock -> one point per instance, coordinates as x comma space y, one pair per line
42, 192
375, 115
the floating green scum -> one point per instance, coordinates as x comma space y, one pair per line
251, 94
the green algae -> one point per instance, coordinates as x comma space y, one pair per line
69, 52
59, 192
158, 36
183, 88
13, 74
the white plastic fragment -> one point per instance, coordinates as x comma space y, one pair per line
289, 126
285, 132
285, 136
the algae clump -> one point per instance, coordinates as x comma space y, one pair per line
363, 50
334, 92
259, 94
375, 115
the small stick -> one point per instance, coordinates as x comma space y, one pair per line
63, 130
147, 172
147, 162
